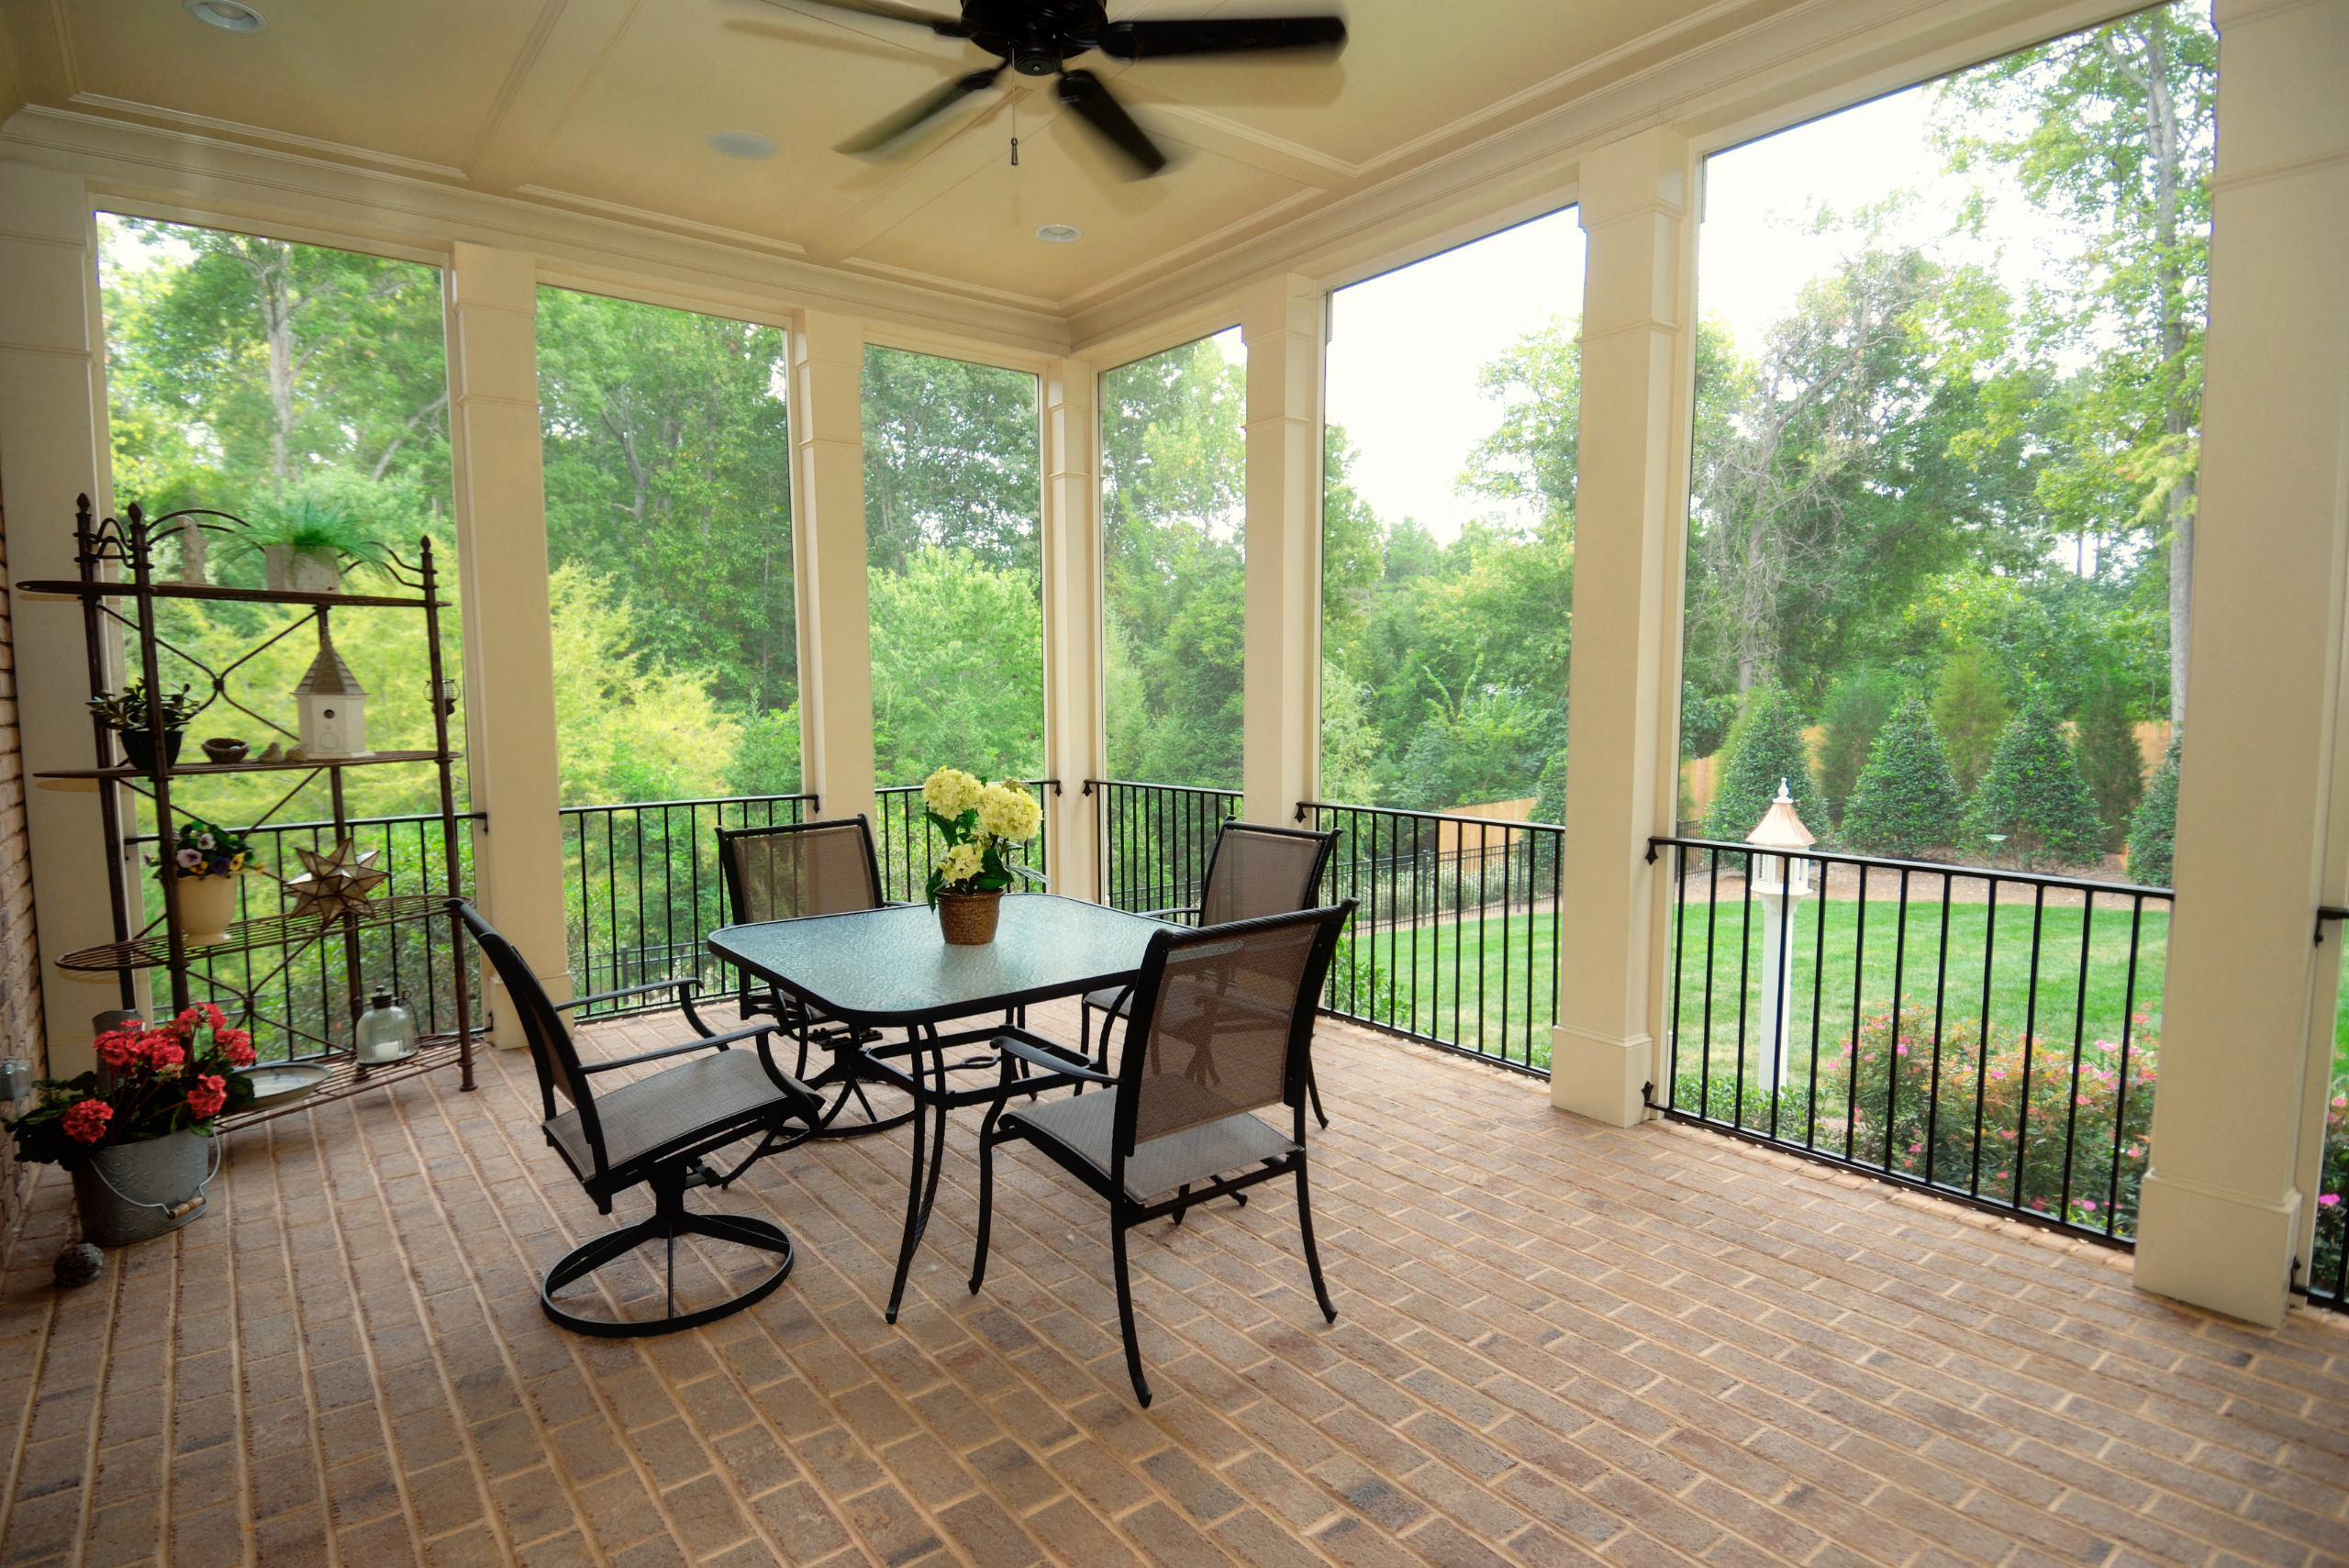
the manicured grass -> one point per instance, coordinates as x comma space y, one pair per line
1482, 984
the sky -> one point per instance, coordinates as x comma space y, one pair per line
1405, 347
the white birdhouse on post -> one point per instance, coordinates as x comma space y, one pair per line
1779, 881
333, 706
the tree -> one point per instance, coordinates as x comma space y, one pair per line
2153, 831
2114, 130
1857, 707
2110, 760
1969, 714
1768, 749
1905, 803
952, 457
2034, 794
957, 677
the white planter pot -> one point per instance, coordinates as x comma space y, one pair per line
206, 905
299, 570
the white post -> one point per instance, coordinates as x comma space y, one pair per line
1281, 319
492, 298
1638, 375
2247, 1008
828, 542
1075, 737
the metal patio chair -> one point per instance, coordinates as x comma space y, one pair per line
651, 1133
1221, 1027
1254, 870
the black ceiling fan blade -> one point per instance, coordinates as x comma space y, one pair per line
913, 116
1081, 91
889, 10
1239, 35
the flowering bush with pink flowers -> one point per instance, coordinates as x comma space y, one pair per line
2333, 1193
174, 1076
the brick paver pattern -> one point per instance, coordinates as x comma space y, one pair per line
1559, 1343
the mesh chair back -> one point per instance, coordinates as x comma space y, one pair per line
807, 868
551, 1049
1263, 870
1222, 1022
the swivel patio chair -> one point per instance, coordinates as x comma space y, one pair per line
1253, 870
651, 1133
1222, 1026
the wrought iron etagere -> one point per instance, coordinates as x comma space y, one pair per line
119, 588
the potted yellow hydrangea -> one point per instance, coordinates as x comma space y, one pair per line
978, 821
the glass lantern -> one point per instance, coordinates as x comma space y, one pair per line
385, 1031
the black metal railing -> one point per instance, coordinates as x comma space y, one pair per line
300, 998
1991, 1036
1454, 940
642, 890
1155, 841
908, 846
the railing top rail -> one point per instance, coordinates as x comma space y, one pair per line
1053, 785
696, 800
1145, 783
327, 824
1937, 868
1305, 805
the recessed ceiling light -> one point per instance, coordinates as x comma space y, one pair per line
229, 14
1060, 234
743, 144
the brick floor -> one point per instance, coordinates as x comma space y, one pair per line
1558, 1344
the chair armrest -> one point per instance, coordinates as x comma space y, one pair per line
689, 984
1050, 1057
702, 1045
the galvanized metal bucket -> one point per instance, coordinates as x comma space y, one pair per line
135, 1191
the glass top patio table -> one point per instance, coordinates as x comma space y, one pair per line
893, 968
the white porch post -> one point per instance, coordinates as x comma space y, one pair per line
1630, 514
2247, 1012
53, 447
492, 312
1281, 321
1074, 736
827, 544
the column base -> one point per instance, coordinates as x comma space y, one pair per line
1596, 1076
2210, 1247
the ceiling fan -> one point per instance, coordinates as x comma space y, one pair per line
1035, 38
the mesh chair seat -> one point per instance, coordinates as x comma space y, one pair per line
682, 1103
1115, 1000
1192, 1157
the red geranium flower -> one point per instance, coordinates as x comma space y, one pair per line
87, 1121
211, 1092
236, 1044
118, 1049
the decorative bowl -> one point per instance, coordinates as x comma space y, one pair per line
277, 1083
224, 749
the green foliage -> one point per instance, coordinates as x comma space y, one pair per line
1549, 799
627, 727
766, 761
1490, 748
1905, 803
2110, 763
2033, 794
332, 513
2153, 831
1768, 749
1705, 720
1857, 706
1532, 456
1969, 715
951, 459
958, 671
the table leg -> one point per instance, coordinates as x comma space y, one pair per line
917, 1179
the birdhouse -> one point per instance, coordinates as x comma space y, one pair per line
333, 706
1781, 828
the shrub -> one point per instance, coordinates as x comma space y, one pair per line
1971, 714
1858, 707
2332, 1191
1907, 802
2102, 1119
1769, 750
2032, 792
2153, 831
2109, 762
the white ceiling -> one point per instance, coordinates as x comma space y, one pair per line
602, 108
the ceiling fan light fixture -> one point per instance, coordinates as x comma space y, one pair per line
742, 144
1060, 234
232, 15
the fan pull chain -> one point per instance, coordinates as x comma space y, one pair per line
1015, 136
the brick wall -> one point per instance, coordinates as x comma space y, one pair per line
20, 1020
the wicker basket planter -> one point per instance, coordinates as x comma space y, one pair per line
967, 919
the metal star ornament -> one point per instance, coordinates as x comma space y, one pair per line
339, 883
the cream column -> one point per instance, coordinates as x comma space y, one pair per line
1075, 737
492, 314
1281, 319
828, 547
1630, 525
53, 448
2248, 1000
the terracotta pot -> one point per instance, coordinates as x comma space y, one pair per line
967, 919
206, 905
